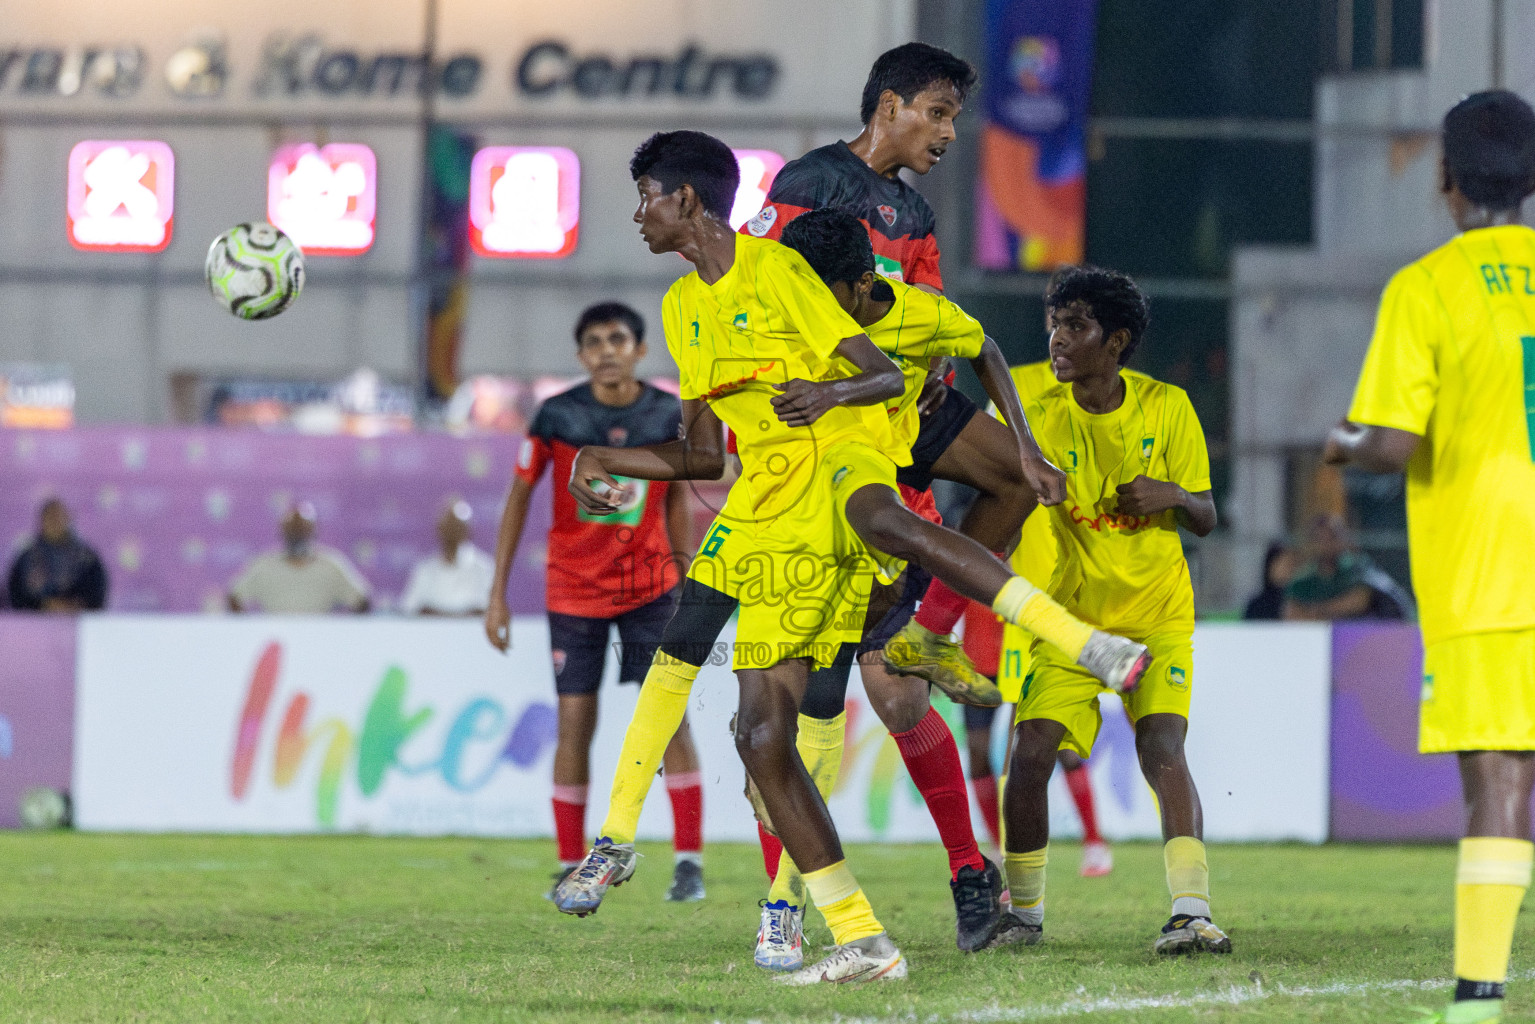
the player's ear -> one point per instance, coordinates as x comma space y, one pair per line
866, 282
890, 102
1117, 341
687, 201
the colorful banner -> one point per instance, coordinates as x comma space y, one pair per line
1031, 204
177, 513
37, 707
1383, 790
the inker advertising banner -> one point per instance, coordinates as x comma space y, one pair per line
37, 707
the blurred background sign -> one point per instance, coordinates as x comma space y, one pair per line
36, 395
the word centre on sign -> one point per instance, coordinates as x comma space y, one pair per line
549, 67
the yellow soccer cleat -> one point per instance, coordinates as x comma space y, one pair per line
917, 651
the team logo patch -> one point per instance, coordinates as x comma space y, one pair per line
1177, 678
1147, 444
740, 320
617, 436
1428, 687
525, 455
763, 222
887, 214
836, 478
558, 657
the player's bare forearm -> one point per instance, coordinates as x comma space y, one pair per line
1372, 449
802, 402
1351, 604
698, 455
1143, 496
514, 515
1047, 480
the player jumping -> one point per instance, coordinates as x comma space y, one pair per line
1447, 393
604, 571
1138, 470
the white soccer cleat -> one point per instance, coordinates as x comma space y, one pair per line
606, 865
862, 960
1118, 663
780, 938
1097, 860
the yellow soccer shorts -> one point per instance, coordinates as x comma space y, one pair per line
803, 577
1478, 693
1064, 692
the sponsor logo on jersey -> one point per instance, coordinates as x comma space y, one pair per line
617, 436
1147, 444
763, 222
888, 268
887, 214
525, 454
1177, 678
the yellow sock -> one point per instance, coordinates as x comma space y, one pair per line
1026, 882
1490, 881
820, 747
1002, 811
663, 703
843, 904
1023, 604
1188, 876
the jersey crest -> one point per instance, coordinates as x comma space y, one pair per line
887, 214
763, 222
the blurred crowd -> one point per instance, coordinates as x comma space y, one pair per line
1326, 578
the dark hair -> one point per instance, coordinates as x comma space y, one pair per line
691, 158
1489, 148
1113, 298
833, 242
606, 312
910, 68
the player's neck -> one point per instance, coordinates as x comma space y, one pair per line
872, 312
1099, 394
619, 394
1474, 217
711, 248
874, 149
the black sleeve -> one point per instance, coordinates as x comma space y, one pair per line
801, 183
91, 588
21, 600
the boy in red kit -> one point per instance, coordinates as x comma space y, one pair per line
605, 571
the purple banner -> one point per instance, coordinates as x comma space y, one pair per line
37, 707
1382, 788
176, 513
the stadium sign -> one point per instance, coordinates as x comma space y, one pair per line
549, 67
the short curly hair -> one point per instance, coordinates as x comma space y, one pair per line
1114, 300
691, 158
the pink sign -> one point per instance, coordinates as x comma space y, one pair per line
325, 198
758, 169
524, 202
121, 196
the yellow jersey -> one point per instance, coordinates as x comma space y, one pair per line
768, 320
1453, 359
918, 327
1119, 572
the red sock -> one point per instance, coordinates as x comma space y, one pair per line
1081, 786
772, 849
570, 822
941, 608
686, 790
932, 760
985, 791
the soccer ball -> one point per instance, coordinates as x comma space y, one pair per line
254, 271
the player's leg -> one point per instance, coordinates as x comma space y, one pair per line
577, 647
1026, 811
1097, 858
765, 738
983, 777
886, 525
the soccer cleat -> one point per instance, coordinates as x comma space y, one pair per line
916, 651
1118, 663
977, 909
780, 937
607, 865
559, 876
1097, 860
1015, 931
1466, 1011
862, 960
1185, 934
687, 882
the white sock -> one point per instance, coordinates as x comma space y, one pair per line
1193, 906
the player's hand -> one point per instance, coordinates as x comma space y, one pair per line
593, 486
1046, 478
802, 402
934, 390
498, 624
1339, 444
1144, 496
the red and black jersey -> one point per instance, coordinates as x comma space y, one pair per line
602, 566
899, 220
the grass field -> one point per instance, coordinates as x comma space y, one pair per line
347, 928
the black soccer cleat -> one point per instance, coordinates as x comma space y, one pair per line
977, 906
687, 883
1185, 934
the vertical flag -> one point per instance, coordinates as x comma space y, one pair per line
1031, 204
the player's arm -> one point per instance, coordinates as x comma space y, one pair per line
1047, 480
1351, 604
698, 455
877, 380
679, 527
1144, 496
514, 515
1372, 449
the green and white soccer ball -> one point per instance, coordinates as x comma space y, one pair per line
254, 271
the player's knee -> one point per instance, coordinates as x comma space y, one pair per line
1159, 749
1032, 761
761, 738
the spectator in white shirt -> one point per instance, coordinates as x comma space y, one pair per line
304, 578
456, 580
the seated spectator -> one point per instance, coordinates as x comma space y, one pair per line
304, 578
57, 572
1342, 582
1278, 570
456, 580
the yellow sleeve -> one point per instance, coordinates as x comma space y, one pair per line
1188, 459
1400, 380
786, 282
934, 326
672, 325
